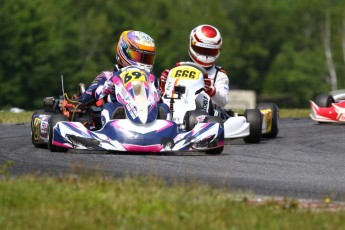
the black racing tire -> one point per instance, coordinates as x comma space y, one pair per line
324, 100
275, 115
52, 122
215, 151
167, 142
254, 118
38, 112
219, 150
190, 120
215, 119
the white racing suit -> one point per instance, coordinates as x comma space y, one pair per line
219, 97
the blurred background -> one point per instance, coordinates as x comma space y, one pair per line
286, 51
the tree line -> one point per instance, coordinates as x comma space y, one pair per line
287, 51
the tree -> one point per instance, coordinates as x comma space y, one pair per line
328, 52
273, 47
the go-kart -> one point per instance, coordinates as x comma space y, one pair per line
137, 126
185, 83
327, 108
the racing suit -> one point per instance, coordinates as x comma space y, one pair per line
215, 91
103, 88
220, 82
93, 92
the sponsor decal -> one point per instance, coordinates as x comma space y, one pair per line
205, 103
267, 119
37, 124
201, 118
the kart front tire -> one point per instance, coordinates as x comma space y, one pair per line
275, 115
254, 118
52, 122
190, 118
324, 100
215, 151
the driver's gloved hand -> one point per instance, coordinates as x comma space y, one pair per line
163, 79
208, 88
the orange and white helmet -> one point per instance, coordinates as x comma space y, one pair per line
205, 44
136, 48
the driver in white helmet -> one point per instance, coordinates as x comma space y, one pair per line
205, 44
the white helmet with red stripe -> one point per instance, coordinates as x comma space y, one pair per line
205, 44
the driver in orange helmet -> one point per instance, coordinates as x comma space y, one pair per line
134, 48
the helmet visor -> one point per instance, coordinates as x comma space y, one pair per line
143, 57
205, 51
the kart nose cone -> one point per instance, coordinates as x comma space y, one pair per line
140, 98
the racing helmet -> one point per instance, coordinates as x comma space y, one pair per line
205, 43
136, 48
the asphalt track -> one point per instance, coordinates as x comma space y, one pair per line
306, 160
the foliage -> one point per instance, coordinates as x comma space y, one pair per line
273, 47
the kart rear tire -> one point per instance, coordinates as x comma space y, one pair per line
52, 122
190, 120
254, 118
324, 100
219, 150
38, 112
275, 115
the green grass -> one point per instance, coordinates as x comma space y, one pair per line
98, 202
8, 117
294, 113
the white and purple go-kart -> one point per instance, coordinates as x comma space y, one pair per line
184, 92
141, 128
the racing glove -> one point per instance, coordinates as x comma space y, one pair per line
208, 88
163, 79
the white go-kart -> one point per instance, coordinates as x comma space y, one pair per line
185, 96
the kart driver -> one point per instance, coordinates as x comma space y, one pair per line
133, 48
205, 44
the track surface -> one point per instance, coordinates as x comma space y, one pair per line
306, 160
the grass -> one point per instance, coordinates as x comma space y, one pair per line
294, 113
8, 117
98, 202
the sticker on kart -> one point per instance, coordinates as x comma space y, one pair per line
131, 75
185, 72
